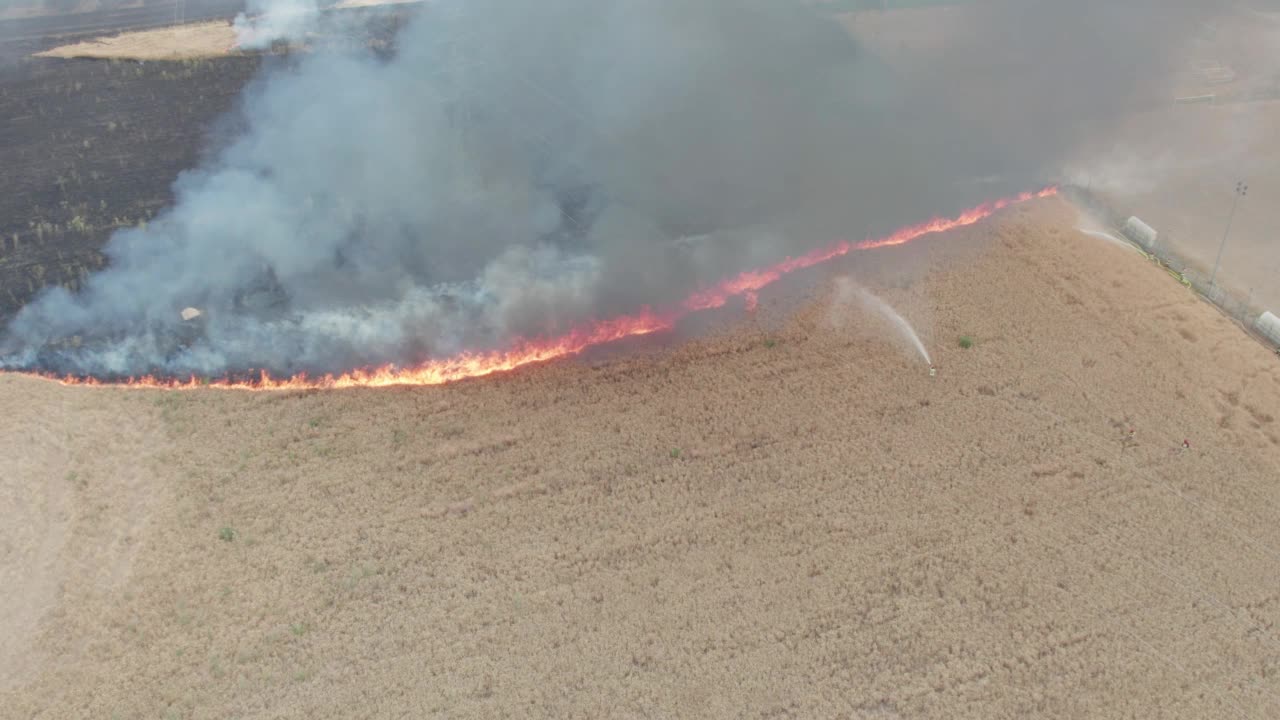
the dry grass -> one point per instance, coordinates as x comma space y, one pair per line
837, 535
179, 42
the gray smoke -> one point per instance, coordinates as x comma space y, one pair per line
266, 21
517, 168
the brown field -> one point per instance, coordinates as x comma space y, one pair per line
784, 518
789, 518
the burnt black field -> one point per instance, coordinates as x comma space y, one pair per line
89, 146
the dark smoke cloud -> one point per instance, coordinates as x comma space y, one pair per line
519, 167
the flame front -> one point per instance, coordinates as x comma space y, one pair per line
753, 280
526, 352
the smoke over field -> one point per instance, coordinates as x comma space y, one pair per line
518, 168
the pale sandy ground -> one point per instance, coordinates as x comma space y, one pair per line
838, 535
177, 42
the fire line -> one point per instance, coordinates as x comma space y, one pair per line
527, 352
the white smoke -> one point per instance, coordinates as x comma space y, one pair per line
267, 21
516, 168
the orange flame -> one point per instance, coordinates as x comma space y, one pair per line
526, 352
753, 280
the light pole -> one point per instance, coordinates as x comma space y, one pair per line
1242, 189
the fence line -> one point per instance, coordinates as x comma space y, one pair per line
1240, 309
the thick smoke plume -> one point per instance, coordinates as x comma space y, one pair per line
519, 167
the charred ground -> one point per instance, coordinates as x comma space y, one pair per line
93, 146
90, 146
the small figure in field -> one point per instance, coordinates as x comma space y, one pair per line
1129, 440
1186, 444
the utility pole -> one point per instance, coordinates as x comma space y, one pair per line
1241, 190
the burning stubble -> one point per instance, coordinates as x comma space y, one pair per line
470, 365
521, 169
